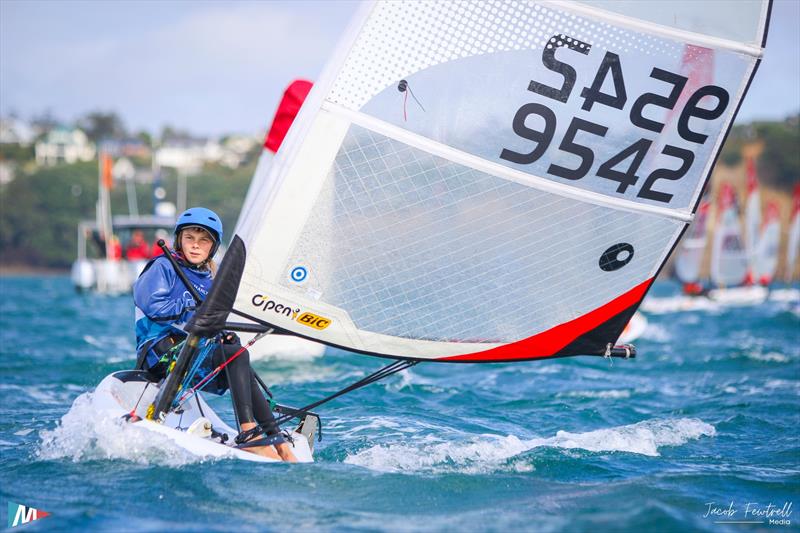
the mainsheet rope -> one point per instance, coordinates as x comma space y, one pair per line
388, 370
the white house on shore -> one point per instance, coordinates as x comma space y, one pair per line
64, 145
15, 131
188, 155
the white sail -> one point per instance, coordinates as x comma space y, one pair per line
278, 346
793, 240
693, 247
289, 106
767, 251
484, 181
728, 255
752, 220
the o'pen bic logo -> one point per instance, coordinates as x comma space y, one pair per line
19, 514
311, 320
314, 321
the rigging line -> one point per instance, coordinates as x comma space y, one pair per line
209, 377
207, 349
384, 372
388, 370
132, 415
262, 384
199, 407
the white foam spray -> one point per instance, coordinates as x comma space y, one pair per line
487, 453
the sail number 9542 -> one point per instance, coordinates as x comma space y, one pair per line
623, 167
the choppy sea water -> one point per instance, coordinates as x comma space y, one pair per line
707, 416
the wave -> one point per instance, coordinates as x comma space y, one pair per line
657, 333
45, 394
488, 453
85, 433
608, 393
769, 357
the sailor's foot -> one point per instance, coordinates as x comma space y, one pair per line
286, 453
264, 451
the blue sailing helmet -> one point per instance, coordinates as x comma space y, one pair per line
202, 218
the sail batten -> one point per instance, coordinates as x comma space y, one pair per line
694, 38
477, 163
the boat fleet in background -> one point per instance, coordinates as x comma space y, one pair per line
744, 255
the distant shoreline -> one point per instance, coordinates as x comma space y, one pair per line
22, 270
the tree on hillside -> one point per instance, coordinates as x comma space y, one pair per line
100, 125
170, 133
145, 137
44, 121
779, 163
40, 214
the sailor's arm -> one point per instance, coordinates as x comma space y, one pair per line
156, 295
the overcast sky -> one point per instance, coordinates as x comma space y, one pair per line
219, 67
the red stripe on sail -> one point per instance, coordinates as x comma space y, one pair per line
550, 342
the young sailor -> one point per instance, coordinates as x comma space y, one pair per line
164, 304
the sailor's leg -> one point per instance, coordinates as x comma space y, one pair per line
239, 381
265, 417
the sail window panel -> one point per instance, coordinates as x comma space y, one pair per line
453, 254
568, 118
735, 20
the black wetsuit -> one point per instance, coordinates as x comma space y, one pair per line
249, 403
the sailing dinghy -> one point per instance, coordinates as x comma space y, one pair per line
479, 182
729, 258
768, 248
793, 239
752, 221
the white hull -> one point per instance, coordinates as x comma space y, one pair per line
750, 295
714, 301
785, 295
678, 303
104, 276
120, 392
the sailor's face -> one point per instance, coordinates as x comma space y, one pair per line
196, 245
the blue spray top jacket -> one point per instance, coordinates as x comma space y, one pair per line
163, 303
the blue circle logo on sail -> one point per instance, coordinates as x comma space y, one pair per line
299, 274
